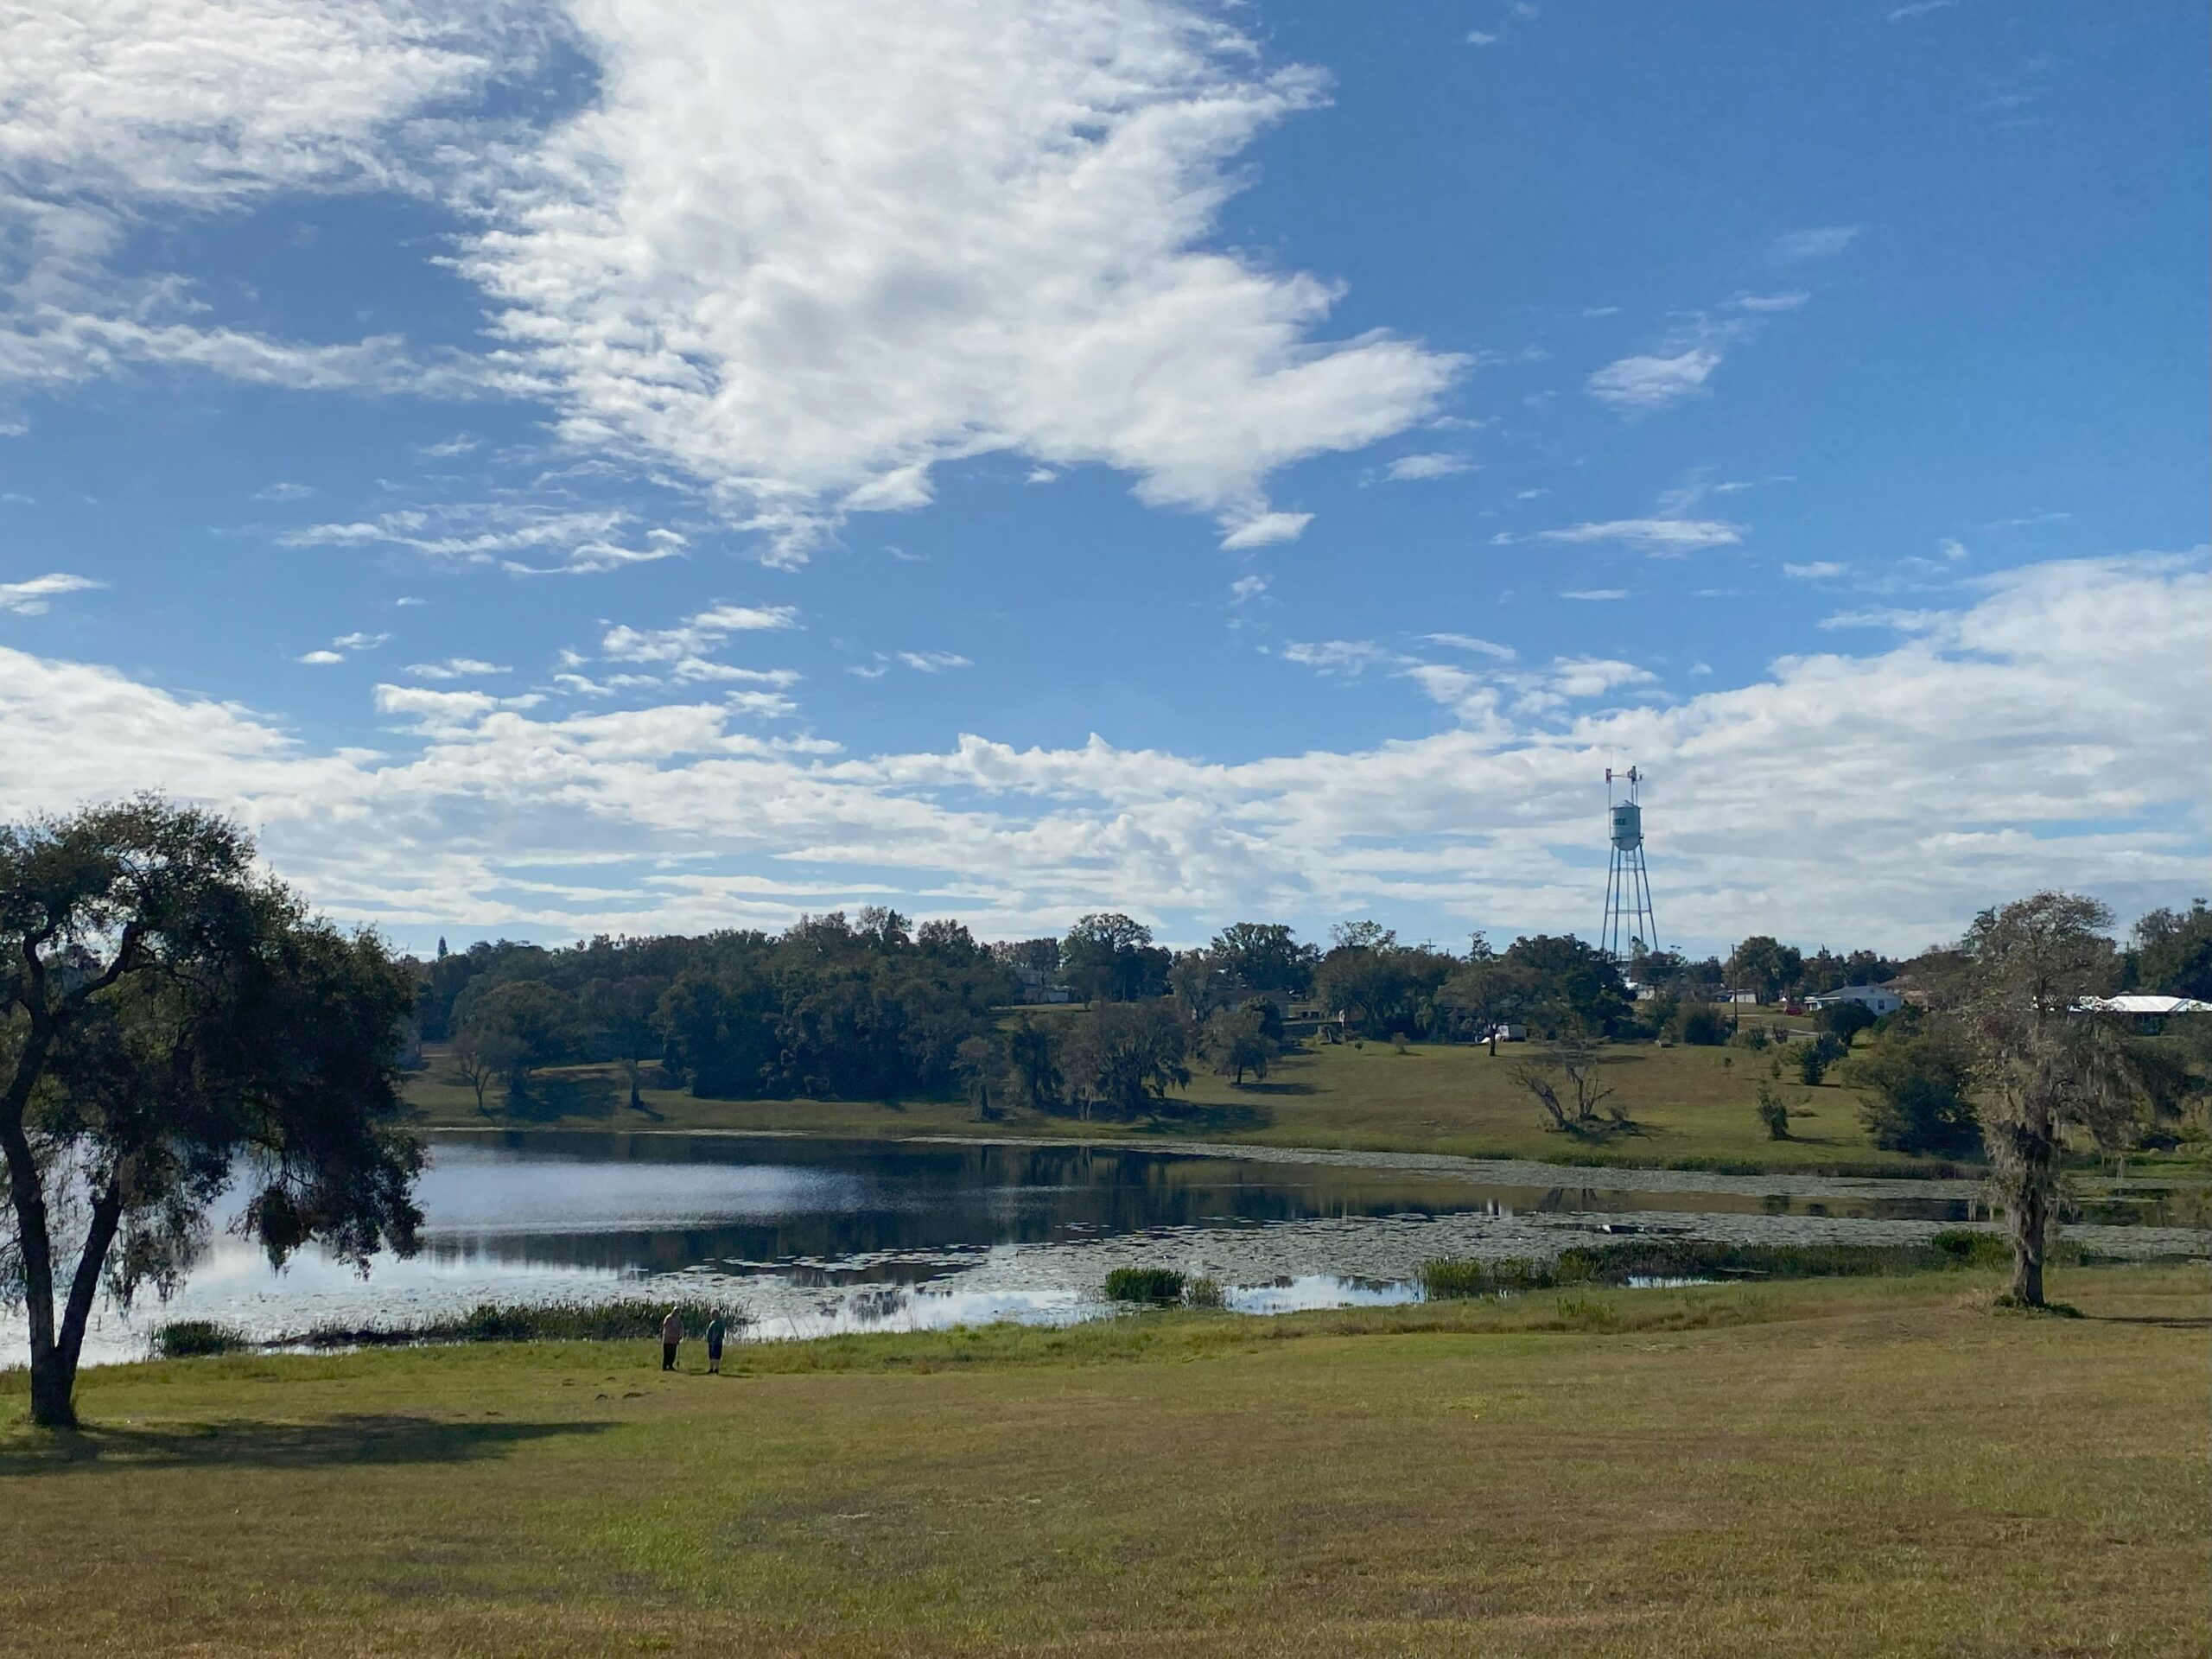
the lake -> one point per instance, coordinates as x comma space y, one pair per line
811, 1237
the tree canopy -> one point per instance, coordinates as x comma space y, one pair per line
173, 1021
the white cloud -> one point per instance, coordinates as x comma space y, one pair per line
1468, 642
321, 658
696, 634
1407, 467
1247, 588
1595, 596
1821, 242
447, 448
933, 662
2024, 741
582, 541
1266, 528
1339, 656
1920, 8
737, 260
358, 641
284, 492
1952, 548
1656, 536
456, 668
1819, 570
1648, 382
30, 597
1770, 303
1478, 37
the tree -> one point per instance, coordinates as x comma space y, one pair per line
1264, 957
980, 1064
1845, 1021
1124, 1056
1487, 993
621, 1016
2173, 952
1198, 985
172, 1021
2046, 1069
1816, 1055
1385, 988
1573, 1066
1915, 1087
528, 1021
1032, 1056
1774, 1112
1761, 964
1110, 957
1236, 1041
1573, 989
480, 1059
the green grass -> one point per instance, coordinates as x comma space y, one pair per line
1688, 1109
1830, 1467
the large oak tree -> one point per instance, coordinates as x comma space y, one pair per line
176, 1026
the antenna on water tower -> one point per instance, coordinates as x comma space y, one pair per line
1629, 932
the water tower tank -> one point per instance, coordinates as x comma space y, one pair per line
1628, 825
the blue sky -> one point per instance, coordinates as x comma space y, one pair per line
631, 468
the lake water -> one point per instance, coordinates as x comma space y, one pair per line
809, 1236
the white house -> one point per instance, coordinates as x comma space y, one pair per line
1877, 1000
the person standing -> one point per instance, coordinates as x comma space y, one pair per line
672, 1332
715, 1345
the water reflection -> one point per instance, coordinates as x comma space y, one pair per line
811, 1237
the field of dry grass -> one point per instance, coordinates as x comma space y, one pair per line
1823, 1468
1692, 1106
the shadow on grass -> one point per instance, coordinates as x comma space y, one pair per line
275, 1446
2165, 1321
1273, 1088
1185, 1118
552, 1096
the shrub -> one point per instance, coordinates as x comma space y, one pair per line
1774, 1112
1702, 1026
1751, 1037
1204, 1293
1815, 1057
197, 1338
1155, 1286
1913, 1085
623, 1321
1689, 1258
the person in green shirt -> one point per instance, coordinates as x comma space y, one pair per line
714, 1344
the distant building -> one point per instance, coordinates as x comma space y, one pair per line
1750, 998
1877, 1000
1035, 987
2146, 1012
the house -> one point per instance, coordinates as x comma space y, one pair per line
1749, 999
1035, 987
2147, 1013
1877, 1000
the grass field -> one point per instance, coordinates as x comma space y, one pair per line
1687, 1108
1821, 1468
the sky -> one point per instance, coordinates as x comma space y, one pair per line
630, 466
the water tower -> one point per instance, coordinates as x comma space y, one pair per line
1629, 931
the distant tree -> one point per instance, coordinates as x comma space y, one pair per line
1566, 1082
1487, 993
1703, 1026
1041, 955
1124, 1056
1774, 1112
481, 1057
531, 1023
622, 1015
980, 1062
1264, 957
1915, 1087
2173, 952
1199, 984
443, 952
1762, 964
1236, 1041
2045, 1069
1845, 1021
174, 1022
1816, 1055
1383, 987
1573, 990
1032, 1056
1108, 957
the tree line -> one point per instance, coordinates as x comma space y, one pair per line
175, 1023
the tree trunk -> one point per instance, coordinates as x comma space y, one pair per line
2024, 1159
2028, 1212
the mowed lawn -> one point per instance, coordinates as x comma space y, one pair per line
1685, 1105
1829, 1468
